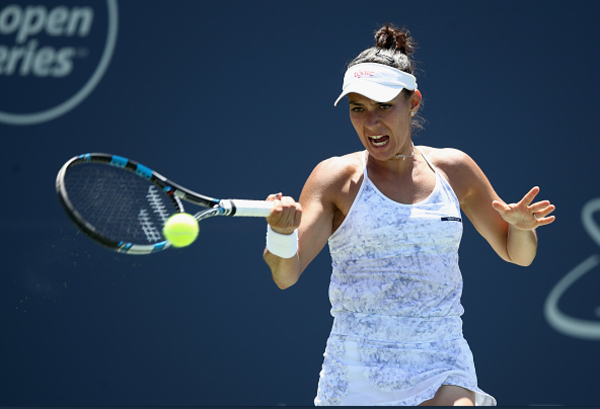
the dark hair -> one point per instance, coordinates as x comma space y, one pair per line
393, 47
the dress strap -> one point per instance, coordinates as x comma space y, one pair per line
443, 178
427, 160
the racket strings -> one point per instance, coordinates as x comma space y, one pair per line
120, 205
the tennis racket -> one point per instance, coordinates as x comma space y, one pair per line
124, 205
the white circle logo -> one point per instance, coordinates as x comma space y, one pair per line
49, 57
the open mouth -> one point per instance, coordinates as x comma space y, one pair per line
379, 140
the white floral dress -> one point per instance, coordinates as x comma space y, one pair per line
395, 294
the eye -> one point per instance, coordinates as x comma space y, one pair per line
356, 109
385, 106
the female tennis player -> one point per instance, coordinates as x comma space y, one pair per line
392, 218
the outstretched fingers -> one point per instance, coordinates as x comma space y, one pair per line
528, 198
526, 215
541, 212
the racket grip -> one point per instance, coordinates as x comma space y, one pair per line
247, 208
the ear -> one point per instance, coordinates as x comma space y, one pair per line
415, 100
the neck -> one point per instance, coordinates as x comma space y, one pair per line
403, 157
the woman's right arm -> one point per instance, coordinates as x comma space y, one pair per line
312, 216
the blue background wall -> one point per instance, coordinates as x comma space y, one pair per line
236, 99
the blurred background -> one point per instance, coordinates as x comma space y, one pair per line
235, 99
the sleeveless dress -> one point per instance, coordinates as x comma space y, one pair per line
395, 297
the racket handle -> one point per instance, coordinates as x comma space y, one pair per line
246, 208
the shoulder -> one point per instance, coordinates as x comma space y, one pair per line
446, 158
334, 182
337, 170
461, 171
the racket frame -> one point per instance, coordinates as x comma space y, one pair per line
174, 191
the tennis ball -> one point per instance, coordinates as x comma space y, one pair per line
181, 229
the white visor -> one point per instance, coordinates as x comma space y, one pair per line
376, 81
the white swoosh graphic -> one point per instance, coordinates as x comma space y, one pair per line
576, 327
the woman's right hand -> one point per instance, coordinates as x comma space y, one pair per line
286, 214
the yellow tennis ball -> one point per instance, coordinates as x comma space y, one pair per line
181, 229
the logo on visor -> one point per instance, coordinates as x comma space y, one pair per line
52, 56
360, 74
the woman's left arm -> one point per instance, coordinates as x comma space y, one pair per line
508, 228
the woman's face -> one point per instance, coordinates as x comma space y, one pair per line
384, 127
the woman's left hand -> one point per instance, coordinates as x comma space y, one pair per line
526, 215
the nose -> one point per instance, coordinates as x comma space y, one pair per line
372, 119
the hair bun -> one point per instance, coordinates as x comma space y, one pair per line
390, 37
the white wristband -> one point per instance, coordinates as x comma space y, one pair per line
282, 245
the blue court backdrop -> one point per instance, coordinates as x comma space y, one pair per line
235, 99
